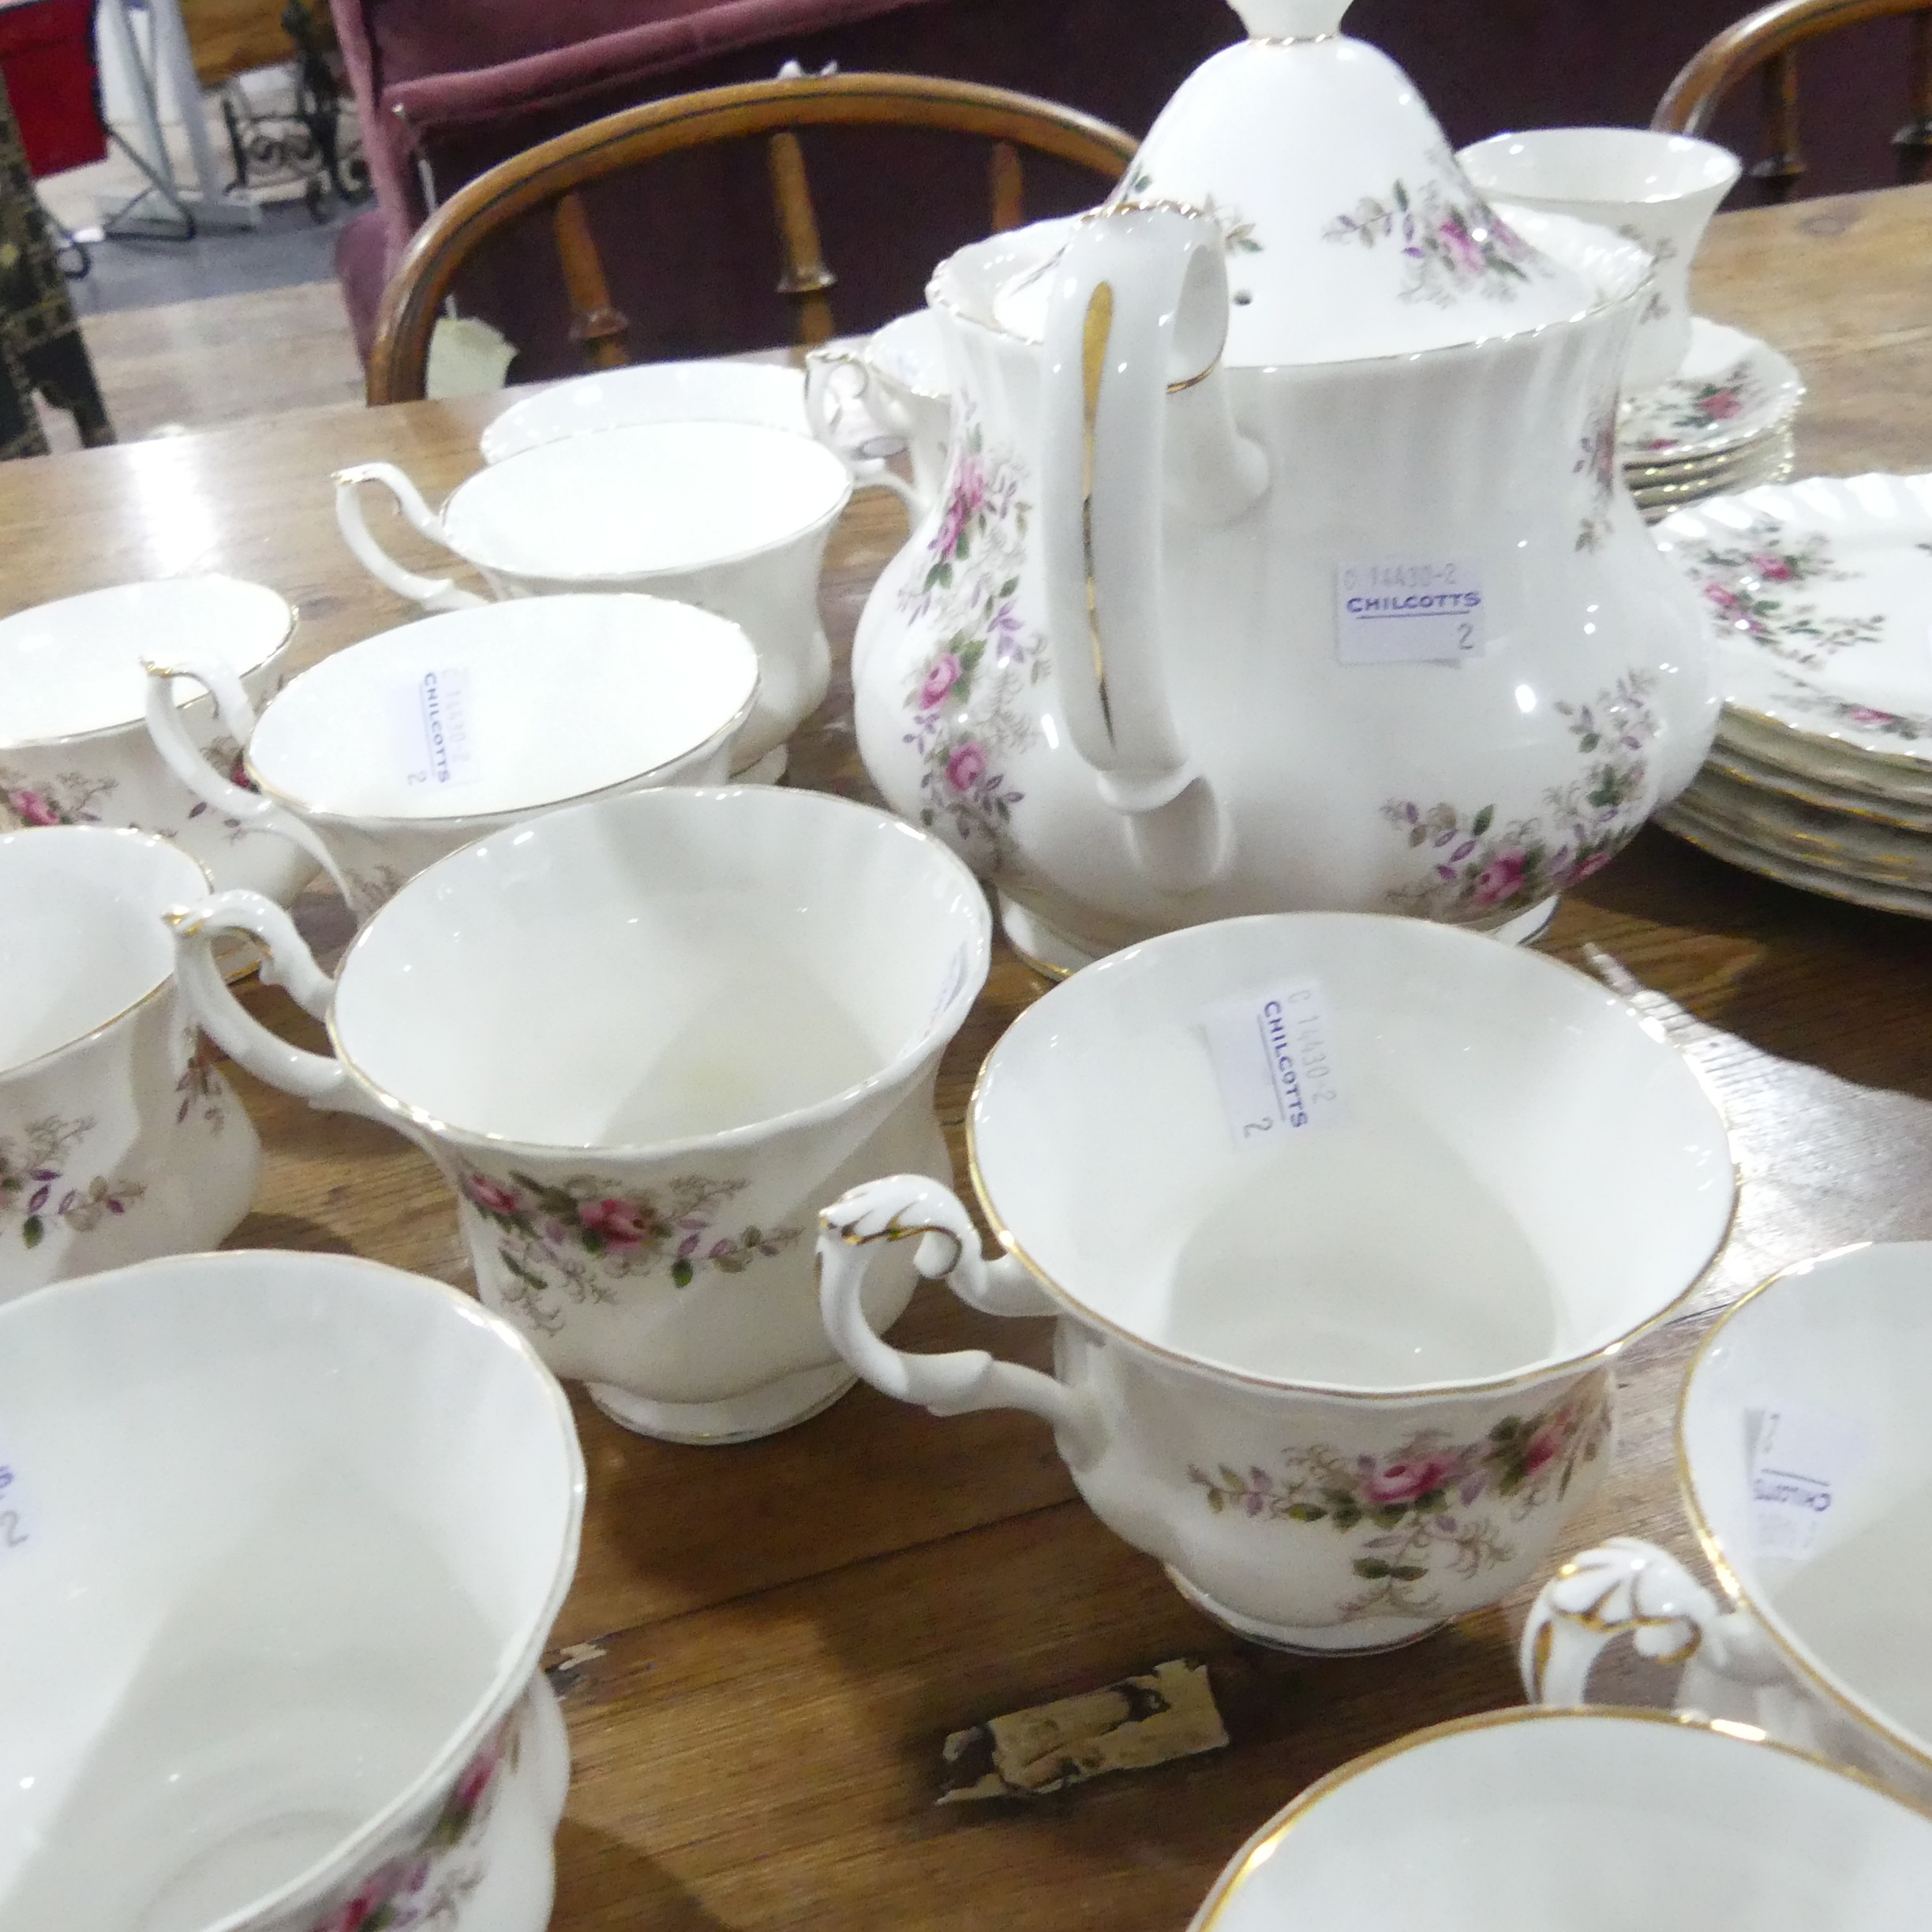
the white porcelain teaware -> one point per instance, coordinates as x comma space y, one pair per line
897, 379
1597, 1821
73, 750
281, 1538
1317, 1199
1209, 619
730, 516
644, 1039
118, 1139
650, 392
1804, 1447
387, 755
1660, 190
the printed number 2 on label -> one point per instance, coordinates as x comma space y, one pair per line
437, 748
1274, 1059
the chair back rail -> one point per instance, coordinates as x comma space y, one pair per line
548, 176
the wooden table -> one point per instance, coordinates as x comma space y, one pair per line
767, 1644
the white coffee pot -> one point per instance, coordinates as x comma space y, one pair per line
1283, 561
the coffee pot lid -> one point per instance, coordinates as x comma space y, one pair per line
1351, 231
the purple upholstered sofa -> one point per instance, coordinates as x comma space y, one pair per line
446, 88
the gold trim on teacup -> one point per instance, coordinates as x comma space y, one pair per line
1592, 1617
894, 1230
1096, 329
1266, 1841
1810, 1671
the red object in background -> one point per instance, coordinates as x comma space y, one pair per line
47, 53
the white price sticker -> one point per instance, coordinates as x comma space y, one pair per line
434, 727
1800, 1465
1274, 1057
1398, 611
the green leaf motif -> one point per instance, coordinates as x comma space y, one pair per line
680, 1273
32, 1229
1371, 1569
1482, 821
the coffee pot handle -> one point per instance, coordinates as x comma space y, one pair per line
315, 1077
434, 593
1627, 1587
822, 366
912, 1207
179, 754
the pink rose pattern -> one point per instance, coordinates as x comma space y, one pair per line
573, 1240
425, 1885
1481, 870
967, 720
69, 797
1597, 459
1900, 724
1747, 587
1673, 418
37, 1190
1449, 241
1427, 1502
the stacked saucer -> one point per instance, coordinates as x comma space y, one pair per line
1821, 593
1723, 423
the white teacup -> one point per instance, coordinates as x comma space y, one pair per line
118, 1139
1598, 1821
651, 392
1804, 1443
73, 750
1658, 190
733, 516
282, 1537
393, 753
895, 382
643, 1039
1318, 1200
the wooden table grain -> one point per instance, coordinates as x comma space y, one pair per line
766, 1644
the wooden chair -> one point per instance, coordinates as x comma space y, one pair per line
548, 176
1767, 42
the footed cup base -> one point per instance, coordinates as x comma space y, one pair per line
766, 770
1050, 952
1527, 926
764, 1411
1367, 1638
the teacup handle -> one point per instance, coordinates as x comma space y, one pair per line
311, 1076
1627, 1587
821, 367
435, 593
178, 753
912, 1208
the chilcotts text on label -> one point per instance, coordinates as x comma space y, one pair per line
433, 715
1398, 610
1801, 1464
1274, 1058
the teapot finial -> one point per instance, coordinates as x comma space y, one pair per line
1290, 20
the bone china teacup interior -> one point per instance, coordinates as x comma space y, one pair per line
730, 516
1804, 1439
281, 1538
1344, 1217
1600, 1821
388, 755
644, 1039
118, 1139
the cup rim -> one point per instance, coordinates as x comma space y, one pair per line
1722, 167
1811, 1669
637, 575
509, 1680
134, 723
41, 1060
1533, 1375
1264, 1843
523, 808
941, 1028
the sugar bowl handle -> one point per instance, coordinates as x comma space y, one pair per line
179, 753
823, 407
1629, 1588
912, 1208
434, 594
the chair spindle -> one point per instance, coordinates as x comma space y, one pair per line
1914, 139
1008, 188
806, 277
1779, 171
596, 323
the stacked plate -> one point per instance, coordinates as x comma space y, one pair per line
1723, 423
1821, 595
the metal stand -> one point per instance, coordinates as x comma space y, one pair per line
182, 211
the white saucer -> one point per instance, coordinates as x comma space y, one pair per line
1689, 824
1730, 389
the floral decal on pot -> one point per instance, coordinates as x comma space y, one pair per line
225, 755
1482, 871
1903, 726
1450, 243
38, 1189
200, 1089
1237, 235
967, 721
572, 1240
1429, 1508
426, 1887
1747, 589
1597, 459
67, 798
